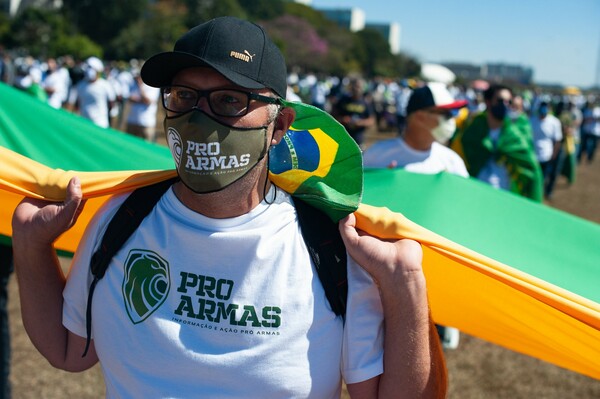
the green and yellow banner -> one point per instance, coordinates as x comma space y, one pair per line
498, 266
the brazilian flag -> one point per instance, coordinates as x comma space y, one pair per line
498, 266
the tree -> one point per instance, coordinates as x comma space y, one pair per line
103, 20
300, 43
376, 58
162, 24
264, 10
113, 29
203, 10
406, 65
5, 29
339, 59
46, 33
78, 46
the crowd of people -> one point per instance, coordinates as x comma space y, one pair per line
517, 140
110, 94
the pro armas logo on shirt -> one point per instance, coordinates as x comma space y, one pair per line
208, 298
146, 283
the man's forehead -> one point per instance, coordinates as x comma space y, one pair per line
200, 76
204, 78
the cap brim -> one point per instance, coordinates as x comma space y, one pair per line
160, 69
453, 105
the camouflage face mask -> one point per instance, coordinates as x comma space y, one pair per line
210, 155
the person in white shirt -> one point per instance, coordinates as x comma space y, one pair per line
547, 139
93, 97
56, 83
422, 147
430, 123
143, 100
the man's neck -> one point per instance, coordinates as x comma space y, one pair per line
234, 200
493, 123
418, 139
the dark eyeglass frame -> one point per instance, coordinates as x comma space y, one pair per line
207, 94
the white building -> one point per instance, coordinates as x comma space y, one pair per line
14, 7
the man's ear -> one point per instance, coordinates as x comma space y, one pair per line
282, 123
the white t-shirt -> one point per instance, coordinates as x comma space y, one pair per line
141, 114
546, 132
591, 117
221, 308
93, 98
438, 159
58, 81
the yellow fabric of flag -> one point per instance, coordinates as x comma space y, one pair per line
467, 290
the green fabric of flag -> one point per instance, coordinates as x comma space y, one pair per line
470, 290
61, 139
552, 245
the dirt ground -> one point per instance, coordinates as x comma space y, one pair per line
477, 369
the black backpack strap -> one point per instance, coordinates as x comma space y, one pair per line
328, 253
127, 219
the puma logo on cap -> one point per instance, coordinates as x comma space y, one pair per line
245, 56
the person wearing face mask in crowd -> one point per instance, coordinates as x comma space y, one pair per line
518, 115
354, 110
496, 151
430, 123
547, 137
93, 96
245, 315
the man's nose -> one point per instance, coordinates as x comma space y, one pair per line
203, 104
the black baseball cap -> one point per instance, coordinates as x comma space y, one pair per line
239, 50
432, 95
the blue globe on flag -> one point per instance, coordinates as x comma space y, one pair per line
297, 150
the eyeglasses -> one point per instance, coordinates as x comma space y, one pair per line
446, 113
222, 102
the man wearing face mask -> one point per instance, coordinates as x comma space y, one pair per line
496, 151
422, 148
430, 123
518, 115
215, 294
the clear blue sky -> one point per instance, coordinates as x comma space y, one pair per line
559, 39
